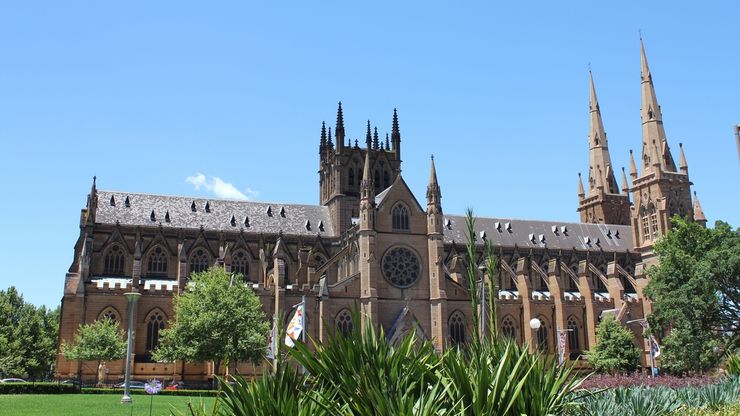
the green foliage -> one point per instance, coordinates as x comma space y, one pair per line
659, 401
93, 405
614, 351
217, 318
733, 364
99, 341
38, 388
28, 337
695, 291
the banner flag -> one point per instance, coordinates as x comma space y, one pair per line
295, 326
562, 337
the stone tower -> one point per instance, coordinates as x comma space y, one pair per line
661, 190
437, 295
604, 203
341, 168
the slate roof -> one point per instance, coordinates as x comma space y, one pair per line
290, 218
530, 233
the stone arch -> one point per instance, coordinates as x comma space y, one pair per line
110, 312
575, 335
114, 260
240, 262
508, 327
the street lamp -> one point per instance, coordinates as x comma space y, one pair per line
132, 297
535, 324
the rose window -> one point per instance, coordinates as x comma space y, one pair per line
401, 267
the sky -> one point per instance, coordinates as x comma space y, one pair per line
226, 99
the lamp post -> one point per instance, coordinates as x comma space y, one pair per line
482, 306
535, 324
132, 297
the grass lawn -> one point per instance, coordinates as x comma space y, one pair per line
92, 404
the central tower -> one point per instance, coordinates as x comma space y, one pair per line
342, 167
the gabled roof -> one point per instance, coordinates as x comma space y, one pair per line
531, 233
397, 183
220, 215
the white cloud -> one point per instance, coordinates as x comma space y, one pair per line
219, 187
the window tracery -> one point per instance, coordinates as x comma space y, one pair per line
401, 267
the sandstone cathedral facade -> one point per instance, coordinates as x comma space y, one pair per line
370, 245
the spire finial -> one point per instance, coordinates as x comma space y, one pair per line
698, 212
581, 193
329, 142
368, 136
376, 142
625, 185
682, 165
339, 130
396, 135
387, 142
633, 167
434, 194
323, 135
367, 186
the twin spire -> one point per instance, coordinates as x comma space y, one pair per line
600, 172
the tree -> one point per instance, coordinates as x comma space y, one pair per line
614, 350
100, 341
695, 291
28, 337
217, 318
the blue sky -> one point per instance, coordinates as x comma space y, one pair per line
147, 94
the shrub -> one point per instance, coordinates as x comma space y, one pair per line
614, 350
38, 388
733, 364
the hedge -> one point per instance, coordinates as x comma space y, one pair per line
38, 388
163, 392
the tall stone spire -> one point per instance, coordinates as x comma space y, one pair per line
655, 150
601, 174
581, 194
376, 142
434, 194
633, 167
396, 135
367, 188
367, 197
339, 130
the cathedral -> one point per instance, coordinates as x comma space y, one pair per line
370, 245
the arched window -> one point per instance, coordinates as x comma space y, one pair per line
400, 217
573, 339
542, 336
199, 261
456, 328
154, 324
508, 329
344, 323
157, 264
645, 224
351, 177
114, 260
109, 313
654, 221
240, 264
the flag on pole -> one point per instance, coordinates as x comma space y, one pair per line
272, 341
295, 326
562, 337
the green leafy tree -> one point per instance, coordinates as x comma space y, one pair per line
695, 292
28, 337
217, 318
99, 341
614, 351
